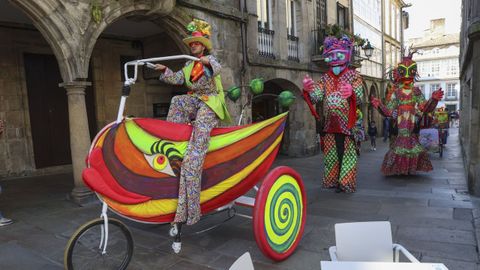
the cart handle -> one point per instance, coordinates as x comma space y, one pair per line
148, 62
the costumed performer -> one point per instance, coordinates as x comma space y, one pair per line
340, 90
203, 107
407, 104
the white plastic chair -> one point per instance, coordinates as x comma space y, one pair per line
243, 263
366, 242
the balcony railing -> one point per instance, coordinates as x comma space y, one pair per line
292, 42
265, 42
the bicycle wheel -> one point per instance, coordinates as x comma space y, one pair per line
84, 249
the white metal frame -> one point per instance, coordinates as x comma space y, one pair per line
142, 62
396, 248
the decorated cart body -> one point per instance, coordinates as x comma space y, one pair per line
134, 163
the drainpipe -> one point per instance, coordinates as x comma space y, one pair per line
243, 71
401, 23
243, 8
351, 17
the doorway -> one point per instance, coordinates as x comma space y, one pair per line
48, 109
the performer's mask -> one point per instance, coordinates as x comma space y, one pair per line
406, 71
337, 53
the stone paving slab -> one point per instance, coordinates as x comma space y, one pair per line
15, 256
450, 203
416, 211
423, 222
462, 214
438, 235
440, 250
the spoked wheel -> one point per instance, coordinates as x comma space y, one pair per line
85, 248
279, 213
441, 150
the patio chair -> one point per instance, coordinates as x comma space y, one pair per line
367, 242
243, 263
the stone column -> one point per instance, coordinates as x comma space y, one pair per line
79, 137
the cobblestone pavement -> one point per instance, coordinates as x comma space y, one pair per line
432, 215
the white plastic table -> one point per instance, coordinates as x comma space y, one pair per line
329, 265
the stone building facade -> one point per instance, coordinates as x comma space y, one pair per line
61, 70
382, 23
437, 61
470, 89
367, 23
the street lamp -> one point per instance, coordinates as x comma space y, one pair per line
368, 49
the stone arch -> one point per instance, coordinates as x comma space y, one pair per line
73, 36
163, 37
173, 23
43, 17
267, 106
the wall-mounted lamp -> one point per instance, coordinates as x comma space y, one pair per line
368, 49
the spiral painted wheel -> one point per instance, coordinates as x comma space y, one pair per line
279, 213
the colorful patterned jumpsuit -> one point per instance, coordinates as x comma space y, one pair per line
192, 108
339, 145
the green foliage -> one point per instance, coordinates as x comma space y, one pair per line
96, 12
337, 31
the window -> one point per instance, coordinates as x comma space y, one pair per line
398, 54
320, 24
394, 21
292, 39
321, 12
422, 88
265, 34
451, 90
263, 13
423, 69
388, 55
342, 17
387, 17
452, 67
392, 55
399, 23
435, 69
291, 17
434, 87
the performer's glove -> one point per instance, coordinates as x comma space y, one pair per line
346, 90
438, 94
308, 84
375, 102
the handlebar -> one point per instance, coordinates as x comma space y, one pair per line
149, 64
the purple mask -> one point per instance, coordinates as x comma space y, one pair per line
337, 53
